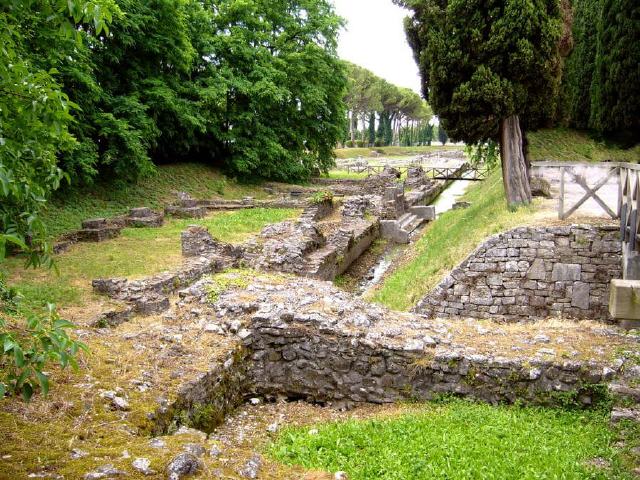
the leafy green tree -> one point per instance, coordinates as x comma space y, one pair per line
491, 70
579, 68
34, 128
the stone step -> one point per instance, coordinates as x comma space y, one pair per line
625, 391
406, 219
411, 223
625, 414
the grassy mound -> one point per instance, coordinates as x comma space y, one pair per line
460, 440
571, 145
66, 211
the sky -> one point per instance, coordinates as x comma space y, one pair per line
374, 38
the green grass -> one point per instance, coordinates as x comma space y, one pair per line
344, 153
448, 241
66, 211
571, 145
459, 440
137, 252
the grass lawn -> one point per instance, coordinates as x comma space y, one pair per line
344, 153
459, 440
66, 210
571, 145
137, 252
448, 241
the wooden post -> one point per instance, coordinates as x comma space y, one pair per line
561, 200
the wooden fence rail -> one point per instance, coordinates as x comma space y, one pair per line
628, 180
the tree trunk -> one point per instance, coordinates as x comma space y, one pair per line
515, 173
353, 127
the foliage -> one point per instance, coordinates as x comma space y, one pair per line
487, 154
615, 96
483, 61
579, 68
34, 128
368, 94
321, 197
458, 440
601, 71
442, 135
27, 350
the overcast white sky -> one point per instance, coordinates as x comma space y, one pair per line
375, 39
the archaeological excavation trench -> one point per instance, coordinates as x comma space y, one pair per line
288, 333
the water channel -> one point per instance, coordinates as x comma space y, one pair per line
443, 203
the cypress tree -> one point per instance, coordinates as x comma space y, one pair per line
372, 129
615, 90
491, 70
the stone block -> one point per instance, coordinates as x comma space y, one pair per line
564, 272
390, 230
94, 223
580, 295
424, 212
624, 299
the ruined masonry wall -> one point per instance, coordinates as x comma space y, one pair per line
532, 273
331, 367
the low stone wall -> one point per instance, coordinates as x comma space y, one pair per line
533, 273
327, 346
293, 359
204, 402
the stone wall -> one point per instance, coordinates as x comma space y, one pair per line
325, 345
291, 359
533, 273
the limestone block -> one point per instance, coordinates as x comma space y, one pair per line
564, 272
624, 299
424, 212
580, 295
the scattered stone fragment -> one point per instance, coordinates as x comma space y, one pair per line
313, 431
157, 443
540, 338
625, 414
193, 432
116, 401
195, 449
143, 466
341, 476
103, 472
77, 453
273, 428
215, 451
251, 468
254, 401
183, 465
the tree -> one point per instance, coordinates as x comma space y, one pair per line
491, 71
615, 96
579, 68
372, 129
34, 128
442, 135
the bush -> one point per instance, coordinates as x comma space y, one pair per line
349, 144
360, 143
